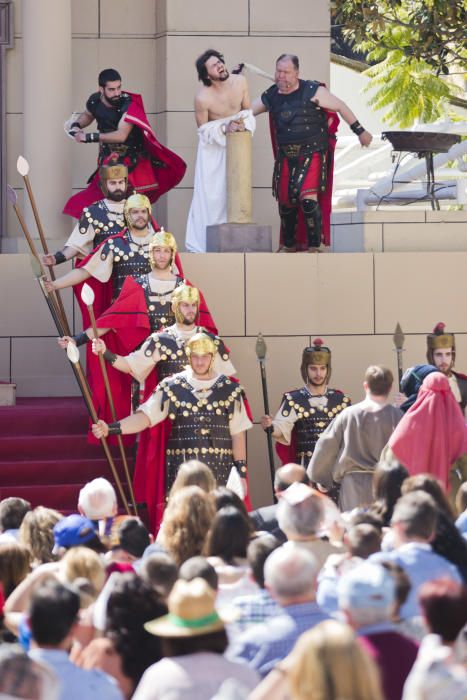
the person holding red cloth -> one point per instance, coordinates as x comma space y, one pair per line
123, 127
432, 435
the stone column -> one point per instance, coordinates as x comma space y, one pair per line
47, 86
239, 178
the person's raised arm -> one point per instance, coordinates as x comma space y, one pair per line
69, 280
117, 361
135, 423
258, 106
329, 101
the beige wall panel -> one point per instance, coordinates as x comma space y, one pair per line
295, 17
182, 51
4, 359
14, 139
282, 368
29, 314
437, 236
135, 59
202, 16
85, 17
177, 130
40, 368
446, 216
263, 159
265, 212
399, 215
17, 17
329, 294
161, 75
222, 282
172, 211
407, 289
122, 18
14, 77
258, 467
346, 238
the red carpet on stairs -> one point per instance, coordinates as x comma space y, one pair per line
44, 453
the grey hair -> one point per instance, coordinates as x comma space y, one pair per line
290, 571
301, 518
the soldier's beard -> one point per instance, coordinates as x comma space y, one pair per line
116, 196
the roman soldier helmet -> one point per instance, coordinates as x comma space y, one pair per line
185, 293
136, 201
316, 354
166, 240
111, 169
201, 344
437, 340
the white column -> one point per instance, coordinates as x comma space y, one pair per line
47, 86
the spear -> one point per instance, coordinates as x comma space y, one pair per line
13, 199
398, 339
22, 167
261, 350
73, 355
87, 295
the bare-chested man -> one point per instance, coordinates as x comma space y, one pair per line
222, 105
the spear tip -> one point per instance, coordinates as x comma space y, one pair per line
398, 337
22, 166
87, 295
72, 353
12, 196
261, 347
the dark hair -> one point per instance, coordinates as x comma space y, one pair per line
215, 642
363, 540
364, 515
160, 571
19, 674
429, 484
257, 553
225, 497
201, 65
133, 602
291, 57
53, 611
15, 559
12, 512
108, 75
229, 535
387, 481
199, 567
444, 606
401, 579
379, 379
133, 537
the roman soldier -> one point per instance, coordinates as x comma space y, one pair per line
441, 353
306, 412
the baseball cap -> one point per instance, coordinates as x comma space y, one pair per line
367, 586
72, 531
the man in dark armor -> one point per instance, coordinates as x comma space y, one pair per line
306, 412
162, 355
100, 220
441, 353
123, 128
206, 411
303, 123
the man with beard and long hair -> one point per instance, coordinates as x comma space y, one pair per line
305, 413
123, 127
100, 220
207, 413
441, 353
222, 105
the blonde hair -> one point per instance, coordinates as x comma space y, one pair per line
84, 563
193, 473
36, 532
187, 519
327, 663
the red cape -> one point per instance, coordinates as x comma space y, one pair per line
147, 177
324, 198
149, 477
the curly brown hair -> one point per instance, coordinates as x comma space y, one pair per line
187, 518
36, 532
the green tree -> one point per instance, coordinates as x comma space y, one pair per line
412, 45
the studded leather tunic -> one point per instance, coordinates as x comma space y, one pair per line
108, 119
171, 348
129, 259
200, 426
297, 118
97, 216
312, 420
159, 305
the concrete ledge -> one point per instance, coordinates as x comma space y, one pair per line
239, 238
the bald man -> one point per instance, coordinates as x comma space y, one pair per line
265, 518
